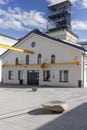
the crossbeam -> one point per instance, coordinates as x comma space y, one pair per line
16, 49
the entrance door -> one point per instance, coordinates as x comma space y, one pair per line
33, 77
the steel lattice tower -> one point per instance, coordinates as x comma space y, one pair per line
59, 16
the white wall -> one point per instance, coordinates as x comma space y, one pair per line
64, 35
0, 70
7, 41
46, 48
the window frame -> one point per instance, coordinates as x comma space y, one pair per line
46, 75
39, 58
20, 75
86, 75
63, 74
53, 59
16, 61
10, 75
33, 44
27, 59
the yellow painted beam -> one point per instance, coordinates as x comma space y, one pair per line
62, 63
13, 65
44, 64
16, 49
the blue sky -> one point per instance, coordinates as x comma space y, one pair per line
18, 17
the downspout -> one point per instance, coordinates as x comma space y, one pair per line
83, 67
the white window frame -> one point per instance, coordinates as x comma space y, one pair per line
20, 74
46, 75
64, 75
86, 75
10, 75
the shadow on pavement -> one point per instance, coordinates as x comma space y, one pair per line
30, 86
76, 119
13, 86
40, 111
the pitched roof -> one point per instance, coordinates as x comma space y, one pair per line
8, 36
36, 31
82, 43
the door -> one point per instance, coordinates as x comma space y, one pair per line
33, 77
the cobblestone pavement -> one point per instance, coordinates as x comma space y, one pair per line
20, 108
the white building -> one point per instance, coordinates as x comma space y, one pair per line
54, 62
7, 41
83, 44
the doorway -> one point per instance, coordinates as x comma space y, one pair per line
33, 77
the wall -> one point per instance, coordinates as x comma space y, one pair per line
46, 48
8, 41
64, 35
85, 69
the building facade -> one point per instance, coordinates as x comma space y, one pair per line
4, 39
54, 62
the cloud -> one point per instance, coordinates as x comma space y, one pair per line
21, 20
3, 2
81, 3
34, 18
83, 40
84, 3
79, 25
51, 2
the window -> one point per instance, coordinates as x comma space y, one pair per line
63, 75
33, 44
46, 75
86, 75
20, 75
53, 59
16, 61
10, 75
27, 59
39, 59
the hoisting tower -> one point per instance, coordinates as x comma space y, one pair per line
59, 21
59, 16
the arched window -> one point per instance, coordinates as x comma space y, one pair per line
39, 59
16, 61
53, 59
27, 59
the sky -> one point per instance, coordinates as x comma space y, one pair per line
19, 17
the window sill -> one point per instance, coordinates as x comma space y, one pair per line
46, 80
64, 81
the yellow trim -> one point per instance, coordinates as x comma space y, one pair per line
61, 63
12, 65
44, 65
16, 49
